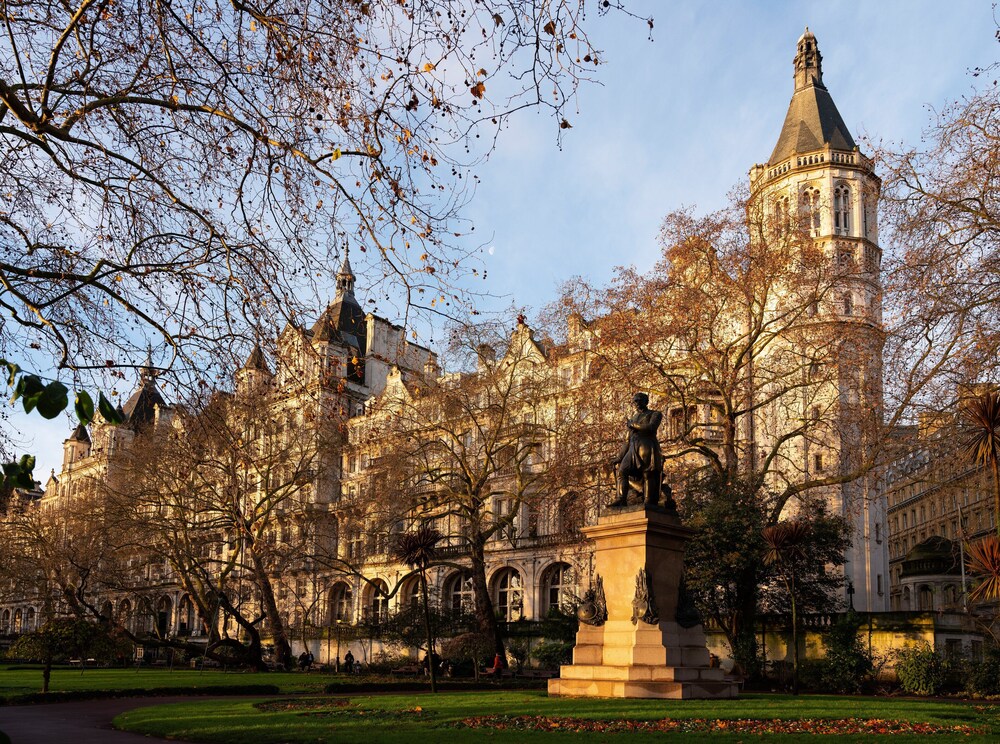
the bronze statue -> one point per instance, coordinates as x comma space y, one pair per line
640, 462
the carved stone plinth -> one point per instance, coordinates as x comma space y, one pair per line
640, 651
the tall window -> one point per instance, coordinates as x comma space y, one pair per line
810, 202
558, 586
459, 593
842, 210
848, 304
508, 594
378, 602
341, 603
781, 211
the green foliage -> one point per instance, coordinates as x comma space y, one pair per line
65, 638
983, 677
559, 626
723, 564
847, 664
518, 651
49, 400
472, 646
553, 653
921, 670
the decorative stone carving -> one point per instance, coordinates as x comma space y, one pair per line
644, 604
594, 608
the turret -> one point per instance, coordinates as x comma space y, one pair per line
77, 447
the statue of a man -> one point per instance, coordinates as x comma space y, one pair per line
640, 458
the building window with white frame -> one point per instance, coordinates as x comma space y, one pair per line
508, 594
558, 589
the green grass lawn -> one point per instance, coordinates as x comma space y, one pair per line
21, 680
395, 719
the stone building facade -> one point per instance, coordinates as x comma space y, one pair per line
360, 366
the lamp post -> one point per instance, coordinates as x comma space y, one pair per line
850, 595
337, 667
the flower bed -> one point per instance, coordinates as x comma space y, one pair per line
749, 726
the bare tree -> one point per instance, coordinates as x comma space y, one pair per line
228, 497
470, 451
181, 174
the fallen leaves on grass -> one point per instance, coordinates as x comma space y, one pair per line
749, 726
282, 706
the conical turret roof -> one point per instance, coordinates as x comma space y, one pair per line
812, 121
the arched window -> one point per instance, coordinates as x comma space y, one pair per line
842, 210
813, 217
508, 594
906, 598
163, 609
558, 589
412, 596
29, 620
781, 212
341, 603
185, 616
925, 599
378, 602
458, 592
950, 596
125, 618
5, 622
848, 304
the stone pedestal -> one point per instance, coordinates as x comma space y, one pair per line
640, 659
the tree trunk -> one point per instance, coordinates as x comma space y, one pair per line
742, 634
795, 638
282, 648
46, 673
485, 616
427, 627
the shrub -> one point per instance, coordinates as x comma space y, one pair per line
921, 670
983, 677
551, 653
847, 664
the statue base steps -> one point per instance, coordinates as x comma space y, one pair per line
626, 659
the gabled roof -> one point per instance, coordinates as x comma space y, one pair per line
812, 121
256, 360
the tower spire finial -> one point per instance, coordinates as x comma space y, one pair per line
808, 62
345, 276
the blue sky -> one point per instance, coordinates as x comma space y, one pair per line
677, 122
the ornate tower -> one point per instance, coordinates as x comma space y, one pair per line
822, 192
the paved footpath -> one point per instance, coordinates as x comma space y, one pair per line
82, 722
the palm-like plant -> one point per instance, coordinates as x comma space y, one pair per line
419, 549
981, 414
982, 439
786, 550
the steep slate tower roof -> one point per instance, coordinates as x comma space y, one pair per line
343, 320
80, 434
812, 121
140, 409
